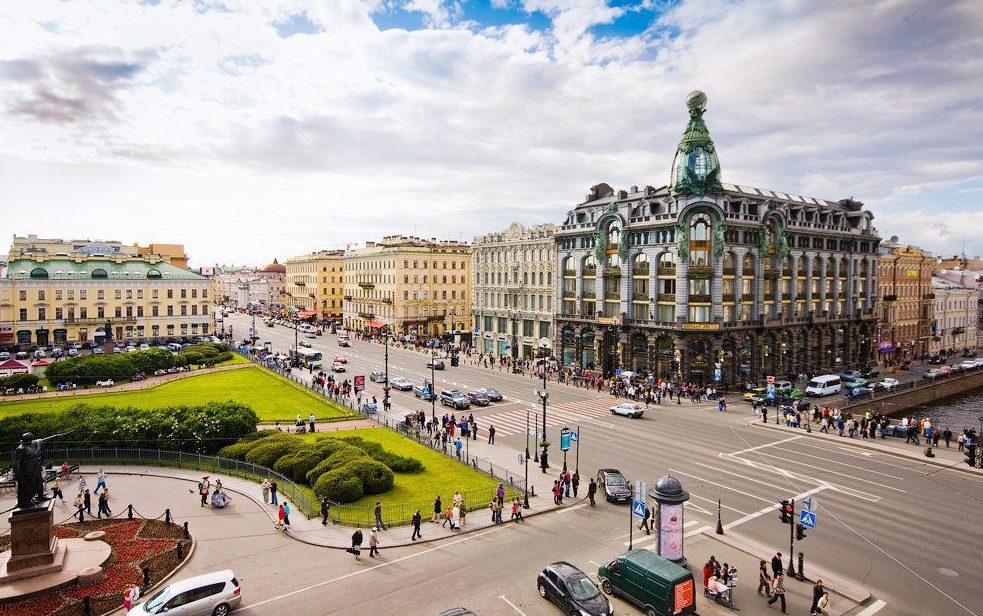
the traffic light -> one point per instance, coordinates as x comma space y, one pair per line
800, 532
785, 507
971, 454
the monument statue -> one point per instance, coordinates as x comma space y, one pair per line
109, 331
27, 461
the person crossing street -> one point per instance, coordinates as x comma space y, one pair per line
591, 491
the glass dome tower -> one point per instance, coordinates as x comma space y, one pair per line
695, 170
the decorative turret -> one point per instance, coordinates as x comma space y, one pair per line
695, 170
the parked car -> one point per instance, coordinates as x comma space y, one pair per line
888, 383
424, 392
853, 393
377, 377
978, 361
215, 593
969, 353
399, 383
613, 485
857, 382
341, 359
436, 364
130, 349
310, 335
106, 383
968, 364
479, 399
144, 347
572, 590
628, 409
650, 582
344, 342
870, 373
934, 373
73, 352
337, 367
850, 375
4, 355
98, 351
304, 343
454, 398
492, 394
77, 346
936, 360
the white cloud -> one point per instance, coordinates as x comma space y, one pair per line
271, 146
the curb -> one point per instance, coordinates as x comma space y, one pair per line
955, 466
836, 584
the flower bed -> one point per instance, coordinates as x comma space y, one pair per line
135, 544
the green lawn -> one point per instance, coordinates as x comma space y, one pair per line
271, 396
441, 475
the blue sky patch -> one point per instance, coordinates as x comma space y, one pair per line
297, 23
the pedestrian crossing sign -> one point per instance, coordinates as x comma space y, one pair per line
638, 509
573, 436
807, 519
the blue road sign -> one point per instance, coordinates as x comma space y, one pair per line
574, 436
638, 509
807, 519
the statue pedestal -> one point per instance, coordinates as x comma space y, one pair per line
32, 545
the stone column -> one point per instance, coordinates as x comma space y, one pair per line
793, 287
758, 287
579, 292
717, 288
624, 285
823, 284
682, 289
653, 281
738, 282
851, 276
810, 276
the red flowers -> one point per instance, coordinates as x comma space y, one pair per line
135, 544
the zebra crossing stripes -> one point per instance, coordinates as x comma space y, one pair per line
514, 421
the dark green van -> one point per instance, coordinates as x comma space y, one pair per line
659, 586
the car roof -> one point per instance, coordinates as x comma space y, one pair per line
199, 580
609, 471
564, 568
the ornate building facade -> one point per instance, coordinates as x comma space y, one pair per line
955, 315
714, 282
907, 304
512, 289
315, 284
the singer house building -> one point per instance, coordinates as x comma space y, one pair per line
713, 282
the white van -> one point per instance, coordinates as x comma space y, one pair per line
214, 594
825, 385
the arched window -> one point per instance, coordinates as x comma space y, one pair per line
39, 272
699, 241
613, 262
667, 262
747, 265
154, 273
568, 266
614, 237
728, 263
99, 273
640, 265
590, 266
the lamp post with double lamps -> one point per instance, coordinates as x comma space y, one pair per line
544, 344
385, 387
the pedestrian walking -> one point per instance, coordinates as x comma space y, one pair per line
325, 508
203, 492
591, 491
417, 518
266, 490
378, 516
778, 591
87, 501
280, 517
286, 513
273, 489
500, 494
448, 519
311, 421
647, 521
100, 481
516, 510
373, 542
83, 487
776, 564
438, 510
764, 580
567, 479
56, 490
817, 593
457, 447
104, 506
491, 434
356, 548
576, 483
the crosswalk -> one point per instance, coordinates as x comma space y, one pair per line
565, 414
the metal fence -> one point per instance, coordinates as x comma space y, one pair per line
922, 383
301, 497
398, 514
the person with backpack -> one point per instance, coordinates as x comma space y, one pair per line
356, 548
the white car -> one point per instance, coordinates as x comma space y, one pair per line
400, 383
145, 347
968, 364
628, 409
213, 593
131, 349
337, 367
889, 383
304, 343
106, 383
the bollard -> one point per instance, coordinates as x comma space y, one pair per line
129, 512
167, 516
186, 534
180, 551
146, 577
801, 576
720, 525
86, 605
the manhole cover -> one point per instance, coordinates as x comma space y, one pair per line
948, 572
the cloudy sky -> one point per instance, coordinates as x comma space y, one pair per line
248, 129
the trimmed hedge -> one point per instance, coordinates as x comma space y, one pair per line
376, 477
399, 464
269, 451
296, 465
19, 381
339, 486
204, 428
87, 369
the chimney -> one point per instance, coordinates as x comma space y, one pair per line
634, 189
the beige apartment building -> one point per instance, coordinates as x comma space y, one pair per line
314, 284
30, 245
955, 316
56, 299
413, 285
904, 285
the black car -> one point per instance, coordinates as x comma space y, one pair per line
436, 364
572, 590
492, 394
969, 353
614, 485
479, 399
870, 373
936, 360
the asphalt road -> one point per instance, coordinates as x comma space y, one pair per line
904, 530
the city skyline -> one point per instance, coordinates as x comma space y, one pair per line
335, 125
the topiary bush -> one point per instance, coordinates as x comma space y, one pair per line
270, 450
344, 456
21, 380
376, 477
339, 486
237, 451
399, 464
296, 465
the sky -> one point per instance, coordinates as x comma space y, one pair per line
257, 129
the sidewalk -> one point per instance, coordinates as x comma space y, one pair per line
945, 457
312, 532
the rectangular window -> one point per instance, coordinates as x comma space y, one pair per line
170, 294
41, 295
100, 312
184, 294
57, 295
528, 326
129, 311
155, 310
119, 312
58, 314
42, 314
119, 294
501, 325
83, 312
194, 293
82, 294
23, 314
194, 310
170, 310
154, 294
184, 310
22, 296
139, 293
129, 294
588, 308
204, 293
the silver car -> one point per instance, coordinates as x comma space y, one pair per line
214, 594
628, 409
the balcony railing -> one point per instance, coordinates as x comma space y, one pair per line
367, 285
300, 283
665, 270
729, 271
747, 297
890, 298
786, 296
700, 270
569, 273
667, 297
728, 298
699, 298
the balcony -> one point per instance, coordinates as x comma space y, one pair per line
589, 295
890, 298
700, 271
699, 298
728, 298
786, 297
928, 296
569, 273
666, 270
729, 271
666, 298
300, 283
747, 297
347, 298
367, 285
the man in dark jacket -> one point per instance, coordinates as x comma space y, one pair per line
325, 507
818, 590
776, 564
591, 491
416, 526
438, 510
356, 548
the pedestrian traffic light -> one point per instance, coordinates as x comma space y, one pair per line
800, 532
971, 454
785, 507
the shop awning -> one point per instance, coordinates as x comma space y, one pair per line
306, 314
374, 324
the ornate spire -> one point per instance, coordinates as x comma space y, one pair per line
695, 170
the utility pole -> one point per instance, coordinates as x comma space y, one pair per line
525, 465
433, 385
385, 387
791, 542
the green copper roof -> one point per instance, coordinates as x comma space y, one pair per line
69, 269
695, 170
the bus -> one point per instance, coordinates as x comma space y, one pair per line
309, 358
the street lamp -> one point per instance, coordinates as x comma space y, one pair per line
385, 387
433, 384
544, 396
514, 317
525, 497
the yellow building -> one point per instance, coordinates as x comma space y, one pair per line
412, 285
904, 285
314, 284
58, 299
31, 245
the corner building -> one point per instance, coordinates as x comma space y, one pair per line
714, 282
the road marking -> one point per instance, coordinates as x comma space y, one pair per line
596, 564
697, 531
569, 509
697, 508
858, 468
799, 477
784, 440
726, 487
850, 449
647, 537
373, 568
874, 608
512, 605
713, 502
826, 470
743, 477
771, 509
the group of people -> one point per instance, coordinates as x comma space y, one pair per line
771, 584
83, 499
219, 498
563, 485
